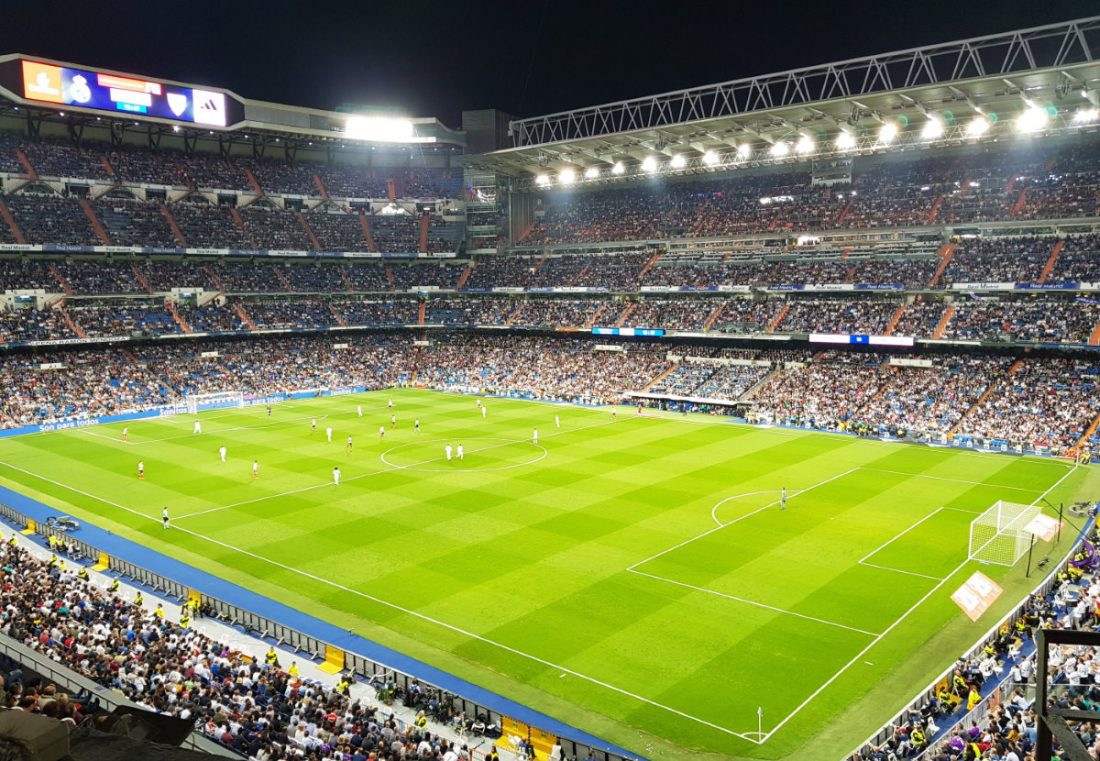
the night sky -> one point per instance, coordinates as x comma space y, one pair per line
526, 57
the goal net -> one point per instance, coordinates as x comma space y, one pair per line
999, 535
214, 401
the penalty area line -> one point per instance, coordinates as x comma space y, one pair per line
859, 656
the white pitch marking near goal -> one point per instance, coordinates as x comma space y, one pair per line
860, 655
900, 534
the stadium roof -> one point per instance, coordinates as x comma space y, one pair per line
996, 78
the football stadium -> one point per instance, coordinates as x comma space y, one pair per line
753, 420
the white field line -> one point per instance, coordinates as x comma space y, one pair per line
898, 570
401, 609
721, 526
891, 540
951, 480
862, 561
772, 608
858, 656
392, 469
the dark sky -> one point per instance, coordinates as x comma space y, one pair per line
526, 57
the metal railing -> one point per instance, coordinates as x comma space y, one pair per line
74, 683
253, 623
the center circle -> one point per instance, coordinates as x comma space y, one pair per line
429, 456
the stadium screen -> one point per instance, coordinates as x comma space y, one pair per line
48, 83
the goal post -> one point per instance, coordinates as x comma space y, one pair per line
1000, 534
214, 401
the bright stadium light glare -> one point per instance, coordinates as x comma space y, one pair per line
649, 164
1086, 115
592, 172
804, 145
381, 129
977, 126
1032, 119
887, 132
744, 151
710, 158
779, 149
678, 161
933, 128
618, 168
542, 180
845, 141
567, 176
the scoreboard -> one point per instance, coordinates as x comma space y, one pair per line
118, 94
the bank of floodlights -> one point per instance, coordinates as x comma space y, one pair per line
591, 172
617, 168
567, 176
932, 129
710, 158
804, 146
649, 164
744, 151
542, 180
845, 141
678, 161
1032, 119
779, 149
887, 132
977, 126
1086, 116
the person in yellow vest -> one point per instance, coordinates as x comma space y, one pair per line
293, 670
492, 755
343, 685
185, 619
53, 561
272, 658
14, 540
82, 574
974, 698
139, 599
917, 738
421, 720
114, 586
159, 612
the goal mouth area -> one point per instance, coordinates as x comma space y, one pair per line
214, 401
1001, 535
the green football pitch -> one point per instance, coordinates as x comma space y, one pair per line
633, 576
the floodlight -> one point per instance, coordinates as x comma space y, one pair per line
977, 126
384, 129
779, 149
744, 151
887, 132
845, 141
1032, 119
1086, 115
618, 168
649, 164
592, 172
933, 128
542, 180
678, 161
567, 176
710, 158
804, 145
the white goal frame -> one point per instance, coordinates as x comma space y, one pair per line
214, 401
999, 535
